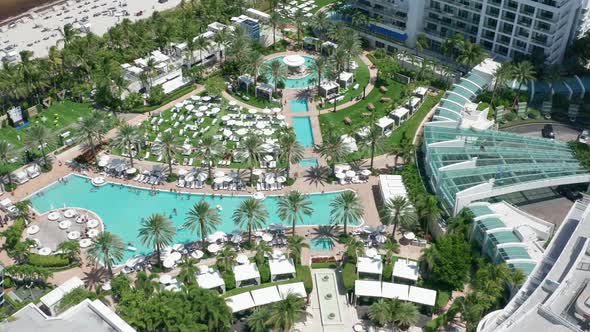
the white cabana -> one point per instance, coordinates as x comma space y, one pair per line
266, 295
240, 302
246, 272
345, 79
370, 288
210, 280
394, 291
422, 296
406, 269
281, 267
400, 115
367, 265
386, 125
296, 288
329, 88
420, 91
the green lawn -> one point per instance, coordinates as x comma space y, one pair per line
362, 76
408, 129
321, 3
256, 102
58, 119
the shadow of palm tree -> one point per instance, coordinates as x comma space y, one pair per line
326, 235
94, 278
302, 94
357, 165
317, 175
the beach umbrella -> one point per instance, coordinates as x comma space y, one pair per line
242, 131
206, 98
372, 252
213, 248
197, 254
409, 236
219, 180
365, 172
225, 118
189, 107
219, 173
280, 117
281, 179
260, 125
340, 175
252, 111
196, 97
267, 237
203, 108
266, 111
276, 110
215, 110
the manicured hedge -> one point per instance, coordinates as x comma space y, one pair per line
48, 261
349, 276
229, 279
304, 273
264, 270
387, 272
323, 265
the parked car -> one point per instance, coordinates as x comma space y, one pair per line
583, 138
569, 193
547, 131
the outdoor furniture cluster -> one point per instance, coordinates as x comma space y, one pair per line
372, 237
269, 181
289, 10
346, 175
229, 181
274, 235
193, 179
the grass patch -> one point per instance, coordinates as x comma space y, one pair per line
169, 97
443, 293
48, 261
255, 101
409, 128
323, 265
349, 276
322, 3
303, 275
362, 76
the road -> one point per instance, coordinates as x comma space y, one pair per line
562, 132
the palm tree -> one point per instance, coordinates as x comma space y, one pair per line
157, 231
210, 149
150, 70
380, 313
127, 139
471, 54
278, 71
168, 146
68, 34
202, 219
391, 247
284, 314
422, 43
374, 141
5, 156
23, 207
295, 246
275, 20
262, 249
70, 249
251, 214
188, 271
258, 320
406, 315
354, 248
226, 258
108, 249
291, 151
318, 67
398, 211
522, 72
428, 211
88, 129
299, 19
292, 207
332, 149
429, 256
501, 76
38, 137
221, 38
347, 208
252, 147
321, 22
201, 44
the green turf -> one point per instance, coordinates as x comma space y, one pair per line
321, 3
362, 76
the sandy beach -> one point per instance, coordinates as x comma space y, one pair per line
13, 8
38, 32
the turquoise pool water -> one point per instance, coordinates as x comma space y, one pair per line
299, 105
121, 208
322, 244
303, 131
308, 162
295, 83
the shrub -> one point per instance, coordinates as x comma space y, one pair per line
229, 279
534, 113
435, 324
323, 265
157, 96
349, 276
510, 116
7, 282
388, 272
12, 234
172, 177
304, 273
264, 270
48, 261
74, 297
120, 284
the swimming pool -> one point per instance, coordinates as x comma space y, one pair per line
296, 83
303, 131
121, 208
308, 162
299, 105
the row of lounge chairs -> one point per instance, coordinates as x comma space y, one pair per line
229, 186
148, 178
190, 184
263, 186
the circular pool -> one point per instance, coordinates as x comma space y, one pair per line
296, 80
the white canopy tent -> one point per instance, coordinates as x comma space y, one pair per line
422, 296
52, 299
246, 272
370, 288
210, 280
394, 291
406, 269
296, 288
266, 295
240, 302
281, 266
368, 265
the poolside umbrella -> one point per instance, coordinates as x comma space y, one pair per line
189, 107
268, 158
219, 173
103, 163
242, 131
228, 178
369, 229
93, 233
340, 175
175, 256
219, 180
232, 103
206, 98
252, 111
281, 117
270, 179
365, 172
260, 125
65, 224
182, 172
213, 248
203, 269
203, 108
73, 235
199, 114
350, 173
202, 176
371, 252
236, 238
196, 97
131, 171
409, 236
166, 279
277, 227
281, 179
34, 229
242, 259
276, 110
257, 172
85, 243
45, 251
106, 286
197, 254
218, 235
168, 263
267, 237
381, 238
92, 223
258, 195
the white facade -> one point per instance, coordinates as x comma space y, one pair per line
505, 28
